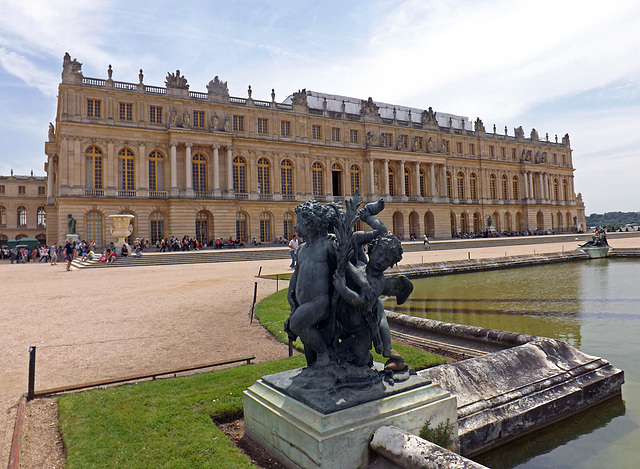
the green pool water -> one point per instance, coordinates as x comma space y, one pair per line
593, 305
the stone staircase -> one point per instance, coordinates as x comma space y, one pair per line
207, 256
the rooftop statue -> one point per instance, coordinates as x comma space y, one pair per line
335, 306
429, 117
300, 97
71, 66
216, 86
176, 81
369, 108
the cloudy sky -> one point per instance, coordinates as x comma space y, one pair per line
559, 66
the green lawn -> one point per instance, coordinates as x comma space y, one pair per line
170, 423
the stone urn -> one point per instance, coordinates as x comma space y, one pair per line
122, 228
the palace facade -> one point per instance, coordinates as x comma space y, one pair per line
23, 211
212, 165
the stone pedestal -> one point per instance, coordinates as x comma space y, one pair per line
73, 237
302, 437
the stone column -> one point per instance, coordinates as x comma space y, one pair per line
432, 180
63, 165
385, 175
216, 169
418, 193
188, 167
402, 186
372, 189
140, 172
532, 191
50, 176
525, 180
542, 191
173, 162
230, 169
443, 188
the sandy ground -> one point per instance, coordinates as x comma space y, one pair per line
93, 324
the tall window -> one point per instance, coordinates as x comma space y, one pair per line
198, 119
286, 177
285, 128
565, 191
265, 227
199, 171
503, 152
353, 136
41, 190
492, 187
407, 182
288, 225
263, 125
126, 111
94, 107
476, 222
202, 226
155, 114
238, 123
419, 143
392, 182
126, 170
335, 134
459, 147
505, 186
404, 141
3, 215
239, 175
157, 226
22, 189
315, 132
556, 190
93, 160
492, 151
42, 217
472, 149
387, 138
317, 178
94, 228
460, 184
156, 171
423, 192
516, 193
241, 226
22, 216
449, 186
445, 146
264, 176
473, 186
354, 173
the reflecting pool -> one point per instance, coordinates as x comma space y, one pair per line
593, 305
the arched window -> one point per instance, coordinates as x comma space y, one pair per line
264, 176
565, 191
241, 226
156, 171
317, 180
93, 163
464, 225
423, 192
407, 182
199, 171
556, 193
202, 226
286, 178
492, 187
336, 179
126, 170
354, 172
42, 217
449, 186
460, 184
3, 215
22, 216
156, 220
392, 182
505, 186
94, 228
288, 225
265, 227
516, 193
239, 175
473, 186
476, 222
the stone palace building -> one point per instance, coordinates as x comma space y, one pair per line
212, 165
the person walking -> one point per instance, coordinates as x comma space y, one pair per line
293, 250
69, 252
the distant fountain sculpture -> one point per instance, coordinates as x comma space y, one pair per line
122, 228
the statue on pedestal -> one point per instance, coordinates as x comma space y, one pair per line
335, 306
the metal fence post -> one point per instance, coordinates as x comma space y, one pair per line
32, 373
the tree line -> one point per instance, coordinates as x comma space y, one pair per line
613, 221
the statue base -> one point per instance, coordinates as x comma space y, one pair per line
73, 237
300, 436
